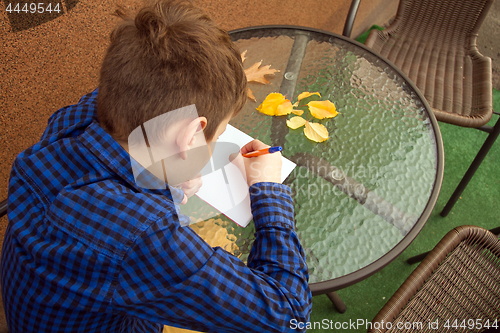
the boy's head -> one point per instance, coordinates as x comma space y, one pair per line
170, 56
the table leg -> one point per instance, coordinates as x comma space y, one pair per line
357, 191
337, 302
279, 128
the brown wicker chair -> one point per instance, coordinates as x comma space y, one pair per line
459, 279
434, 43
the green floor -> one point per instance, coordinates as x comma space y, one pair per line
478, 206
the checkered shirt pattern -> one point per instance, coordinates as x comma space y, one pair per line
87, 250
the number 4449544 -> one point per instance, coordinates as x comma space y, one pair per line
471, 324
33, 8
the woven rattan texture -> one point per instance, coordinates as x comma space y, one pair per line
434, 43
465, 285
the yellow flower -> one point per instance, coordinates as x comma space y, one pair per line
322, 109
306, 94
313, 131
275, 104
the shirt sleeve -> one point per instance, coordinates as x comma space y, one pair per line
171, 276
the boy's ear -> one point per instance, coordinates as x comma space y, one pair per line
186, 137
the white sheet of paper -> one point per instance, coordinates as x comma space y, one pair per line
225, 189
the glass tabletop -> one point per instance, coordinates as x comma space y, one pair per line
373, 183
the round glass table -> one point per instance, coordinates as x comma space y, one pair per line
362, 196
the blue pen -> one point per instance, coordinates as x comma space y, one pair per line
264, 151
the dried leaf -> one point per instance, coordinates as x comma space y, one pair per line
316, 132
322, 109
243, 56
306, 94
296, 122
298, 112
250, 95
256, 73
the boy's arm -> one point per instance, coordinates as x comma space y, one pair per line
276, 241
173, 277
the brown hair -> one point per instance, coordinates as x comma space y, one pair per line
170, 56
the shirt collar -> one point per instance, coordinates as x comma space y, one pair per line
111, 154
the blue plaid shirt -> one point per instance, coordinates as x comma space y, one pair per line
87, 250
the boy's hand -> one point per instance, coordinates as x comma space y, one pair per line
190, 187
265, 168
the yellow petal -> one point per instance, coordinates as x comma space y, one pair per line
306, 94
270, 105
322, 109
284, 108
298, 112
316, 132
269, 110
296, 122
274, 98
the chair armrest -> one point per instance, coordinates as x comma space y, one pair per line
351, 16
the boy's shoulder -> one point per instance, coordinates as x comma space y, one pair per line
98, 209
81, 181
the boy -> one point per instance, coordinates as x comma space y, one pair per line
88, 250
